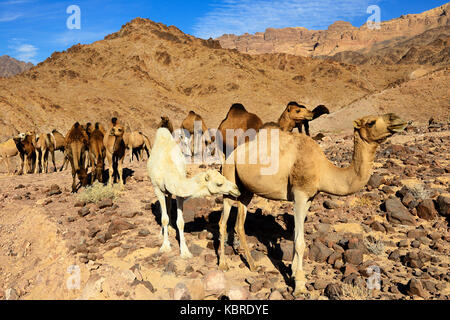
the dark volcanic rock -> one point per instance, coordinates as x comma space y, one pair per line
319, 252
397, 213
119, 225
426, 210
443, 202
333, 291
353, 256
414, 287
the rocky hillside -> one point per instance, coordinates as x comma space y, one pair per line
10, 67
147, 70
339, 37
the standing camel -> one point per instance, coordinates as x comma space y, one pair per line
97, 153
58, 140
167, 171
76, 145
137, 142
243, 124
189, 127
44, 146
115, 150
8, 150
303, 172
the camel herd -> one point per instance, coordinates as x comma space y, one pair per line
303, 171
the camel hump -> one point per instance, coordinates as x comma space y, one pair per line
238, 107
319, 111
192, 113
270, 125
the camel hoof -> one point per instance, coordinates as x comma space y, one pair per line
223, 267
300, 289
186, 255
165, 248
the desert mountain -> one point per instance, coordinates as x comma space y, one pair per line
10, 67
339, 37
147, 70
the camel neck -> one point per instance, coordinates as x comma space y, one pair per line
188, 188
345, 181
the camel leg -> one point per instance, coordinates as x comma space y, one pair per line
301, 207
223, 232
46, 161
185, 253
110, 170
307, 128
53, 160
240, 230
120, 170
164, 220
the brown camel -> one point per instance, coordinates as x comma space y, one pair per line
294, 115
76, 144
166, 123
137, 142
97, 153
8, 150
115, 149
303, 172
243, 124
44, 146
317, 112
25, 145
188, 125
59, 142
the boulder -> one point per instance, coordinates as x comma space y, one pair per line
397, 213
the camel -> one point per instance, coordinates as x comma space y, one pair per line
115, 149
97, 153
188, 126
166, 123
294, 115
76, 144
59, 143
317, 112
303, 172
137, 142
27, 151
243, 124
167, 171
44, 146
8, 150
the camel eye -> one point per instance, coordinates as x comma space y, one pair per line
219, 184
371, 124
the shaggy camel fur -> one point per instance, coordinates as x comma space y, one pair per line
188, 125
8, 150
244, 126
166, 123
76, 144
137, 142
115, 150
167, 171
304, 171
44, 146
293, 115
317, 112
97, 153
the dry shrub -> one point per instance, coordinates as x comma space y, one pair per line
98, 192
351, 292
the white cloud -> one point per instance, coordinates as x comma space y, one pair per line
241, 16
26, 52
9, 17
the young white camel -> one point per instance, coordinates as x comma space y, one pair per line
167, 170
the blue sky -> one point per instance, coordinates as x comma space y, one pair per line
31, 30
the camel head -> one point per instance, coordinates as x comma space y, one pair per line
217, 184
378, 128
298, 112
117, 131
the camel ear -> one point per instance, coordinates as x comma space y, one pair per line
357, 124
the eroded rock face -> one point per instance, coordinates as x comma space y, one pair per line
340, 37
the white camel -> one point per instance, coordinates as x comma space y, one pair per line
167, 171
